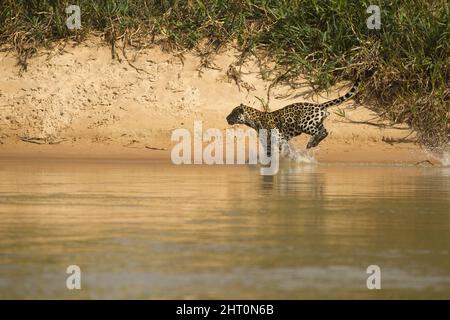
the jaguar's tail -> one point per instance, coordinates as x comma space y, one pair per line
345, 97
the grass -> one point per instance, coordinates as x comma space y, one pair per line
408, 58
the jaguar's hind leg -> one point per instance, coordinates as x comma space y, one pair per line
319, 134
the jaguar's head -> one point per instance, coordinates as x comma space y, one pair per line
238, 115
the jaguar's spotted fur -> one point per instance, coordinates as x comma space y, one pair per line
292, 120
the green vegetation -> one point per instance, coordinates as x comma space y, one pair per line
324, 40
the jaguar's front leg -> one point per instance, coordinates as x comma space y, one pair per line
280, 139
266, 143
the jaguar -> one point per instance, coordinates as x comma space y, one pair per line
291, 120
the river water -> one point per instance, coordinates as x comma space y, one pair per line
151, 230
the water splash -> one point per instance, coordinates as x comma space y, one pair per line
297, 156
442, 155
445, 159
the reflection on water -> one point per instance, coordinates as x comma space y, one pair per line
155, 230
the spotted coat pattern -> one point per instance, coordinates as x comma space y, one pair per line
292, 120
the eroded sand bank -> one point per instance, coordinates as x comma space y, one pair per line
79, 102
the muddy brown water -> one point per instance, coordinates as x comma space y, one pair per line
150, 229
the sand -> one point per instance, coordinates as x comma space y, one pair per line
75, 101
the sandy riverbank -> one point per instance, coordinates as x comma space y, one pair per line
76, 101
